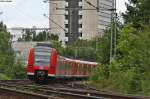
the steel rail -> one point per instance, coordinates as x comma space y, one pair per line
71, 93
84, 93
49, 92
89, 94
8, 93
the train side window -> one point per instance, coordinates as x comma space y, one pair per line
69, 67
65, 68
85, 69
79, 68
89, 69
58, 66
62, 65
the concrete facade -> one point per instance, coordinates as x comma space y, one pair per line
104, 14
79, 23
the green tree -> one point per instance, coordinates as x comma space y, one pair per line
28, 35
8, 67
137, 13
53, 37
6, 52
130, 71
41, 36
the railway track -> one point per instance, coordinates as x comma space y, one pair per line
56, 91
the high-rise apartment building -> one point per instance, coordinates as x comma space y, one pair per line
73, 19
104, 14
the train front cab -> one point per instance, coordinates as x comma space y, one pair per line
39, 69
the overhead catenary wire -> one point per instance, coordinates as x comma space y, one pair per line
55, 22
24, 14
88, 2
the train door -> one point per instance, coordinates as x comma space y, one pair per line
68, 68
74, 69
60, 67
78, 69
84, 69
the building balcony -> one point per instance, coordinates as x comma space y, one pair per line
66, 4
66, 21
80, 4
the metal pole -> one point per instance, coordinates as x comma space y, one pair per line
112, 47
115, 29
111, 38
49, 8
70, 19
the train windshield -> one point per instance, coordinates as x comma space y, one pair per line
42, 56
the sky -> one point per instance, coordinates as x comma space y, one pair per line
28, 13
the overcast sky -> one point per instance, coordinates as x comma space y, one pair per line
28, 13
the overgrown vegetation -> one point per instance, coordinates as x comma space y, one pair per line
8, 69
32, 35
80, 49
129, 72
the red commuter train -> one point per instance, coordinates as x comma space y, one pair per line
44, 64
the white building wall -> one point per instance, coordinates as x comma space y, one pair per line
57, 16
104, 14
89, 21
93, 22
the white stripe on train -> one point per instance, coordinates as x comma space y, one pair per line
52, 75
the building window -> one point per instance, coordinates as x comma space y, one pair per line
80, 7
66, 25
80, 34
80, 16
66, 42
66, 17
80, 25
66, 34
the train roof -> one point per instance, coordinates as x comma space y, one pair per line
44, 44
79, 61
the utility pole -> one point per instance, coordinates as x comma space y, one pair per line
113, 32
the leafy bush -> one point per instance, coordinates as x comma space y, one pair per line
129, 72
